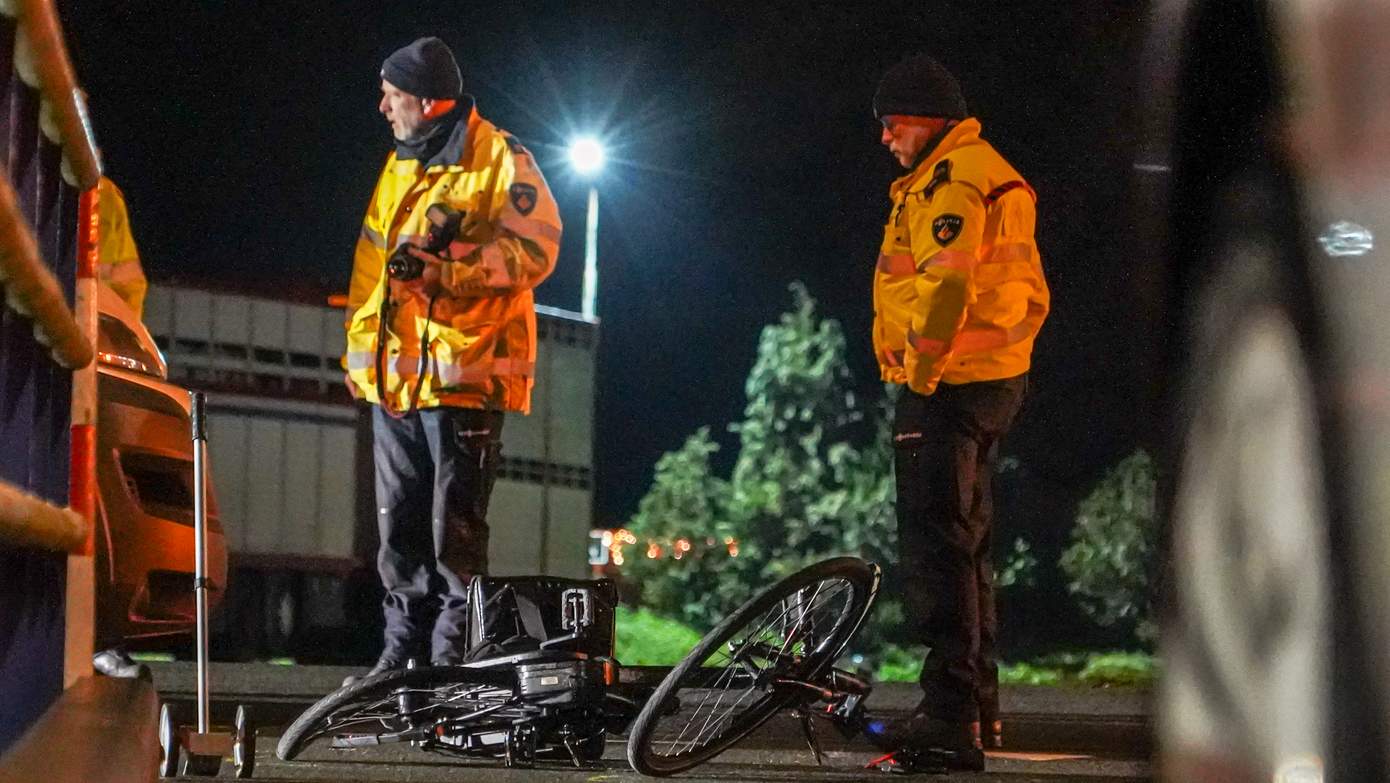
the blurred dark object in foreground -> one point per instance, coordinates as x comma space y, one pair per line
1266, 166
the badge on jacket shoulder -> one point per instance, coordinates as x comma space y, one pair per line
945, 228
522, 155
941, 175
524, 197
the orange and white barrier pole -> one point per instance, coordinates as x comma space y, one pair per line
80, 640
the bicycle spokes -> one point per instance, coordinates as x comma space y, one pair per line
757, 662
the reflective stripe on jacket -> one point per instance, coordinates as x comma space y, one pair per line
959, 293
482, 335
118, 261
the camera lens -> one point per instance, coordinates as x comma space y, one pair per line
403, 266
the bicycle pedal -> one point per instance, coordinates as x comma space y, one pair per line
849, 717
902, 763
932, 761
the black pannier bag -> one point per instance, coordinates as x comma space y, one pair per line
518, 614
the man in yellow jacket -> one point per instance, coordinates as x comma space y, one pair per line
444, 349
959, 296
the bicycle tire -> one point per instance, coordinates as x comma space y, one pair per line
380, 689
852, 582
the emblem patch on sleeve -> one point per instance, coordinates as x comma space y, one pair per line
524, 197
945, 228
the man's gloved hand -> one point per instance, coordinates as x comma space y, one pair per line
427, 285
431, 281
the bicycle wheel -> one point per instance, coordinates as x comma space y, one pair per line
746, 669
398, 705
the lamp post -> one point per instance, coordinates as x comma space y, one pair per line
586, 155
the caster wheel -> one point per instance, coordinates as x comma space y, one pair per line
168, 743
590, 749
198, 765
521, 747
243, 745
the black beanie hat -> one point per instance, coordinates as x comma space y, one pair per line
425, 68
921, 87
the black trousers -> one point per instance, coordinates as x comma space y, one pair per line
434, 474
946, 447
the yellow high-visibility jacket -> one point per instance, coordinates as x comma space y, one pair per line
959, 293
482, 336
118, 261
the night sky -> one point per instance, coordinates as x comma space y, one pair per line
246, 138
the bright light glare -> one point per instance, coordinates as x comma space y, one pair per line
586, 155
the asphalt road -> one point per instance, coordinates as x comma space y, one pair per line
402, 765
1052, 735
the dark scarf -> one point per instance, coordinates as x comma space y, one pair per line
932, 144
431, 138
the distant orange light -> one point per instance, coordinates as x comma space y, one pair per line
653, 550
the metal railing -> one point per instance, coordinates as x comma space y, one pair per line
31, 288
41, 59
26, 520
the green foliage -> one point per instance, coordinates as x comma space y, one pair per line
801, 489
1120, 668
899, 664
1020, 567
1113, 546
646, 639
1109, 669
686, 499
1030, 674
792, 480
813, 478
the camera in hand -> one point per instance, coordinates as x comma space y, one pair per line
444, 228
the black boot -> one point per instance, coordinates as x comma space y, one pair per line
991, 729
923, 743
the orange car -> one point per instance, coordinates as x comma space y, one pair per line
145, 492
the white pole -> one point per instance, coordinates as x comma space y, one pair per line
591, 255
198, 418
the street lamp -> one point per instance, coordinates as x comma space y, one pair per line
586, 155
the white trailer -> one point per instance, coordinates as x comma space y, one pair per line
292, 467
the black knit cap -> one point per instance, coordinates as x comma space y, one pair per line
425, 68
921, 87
